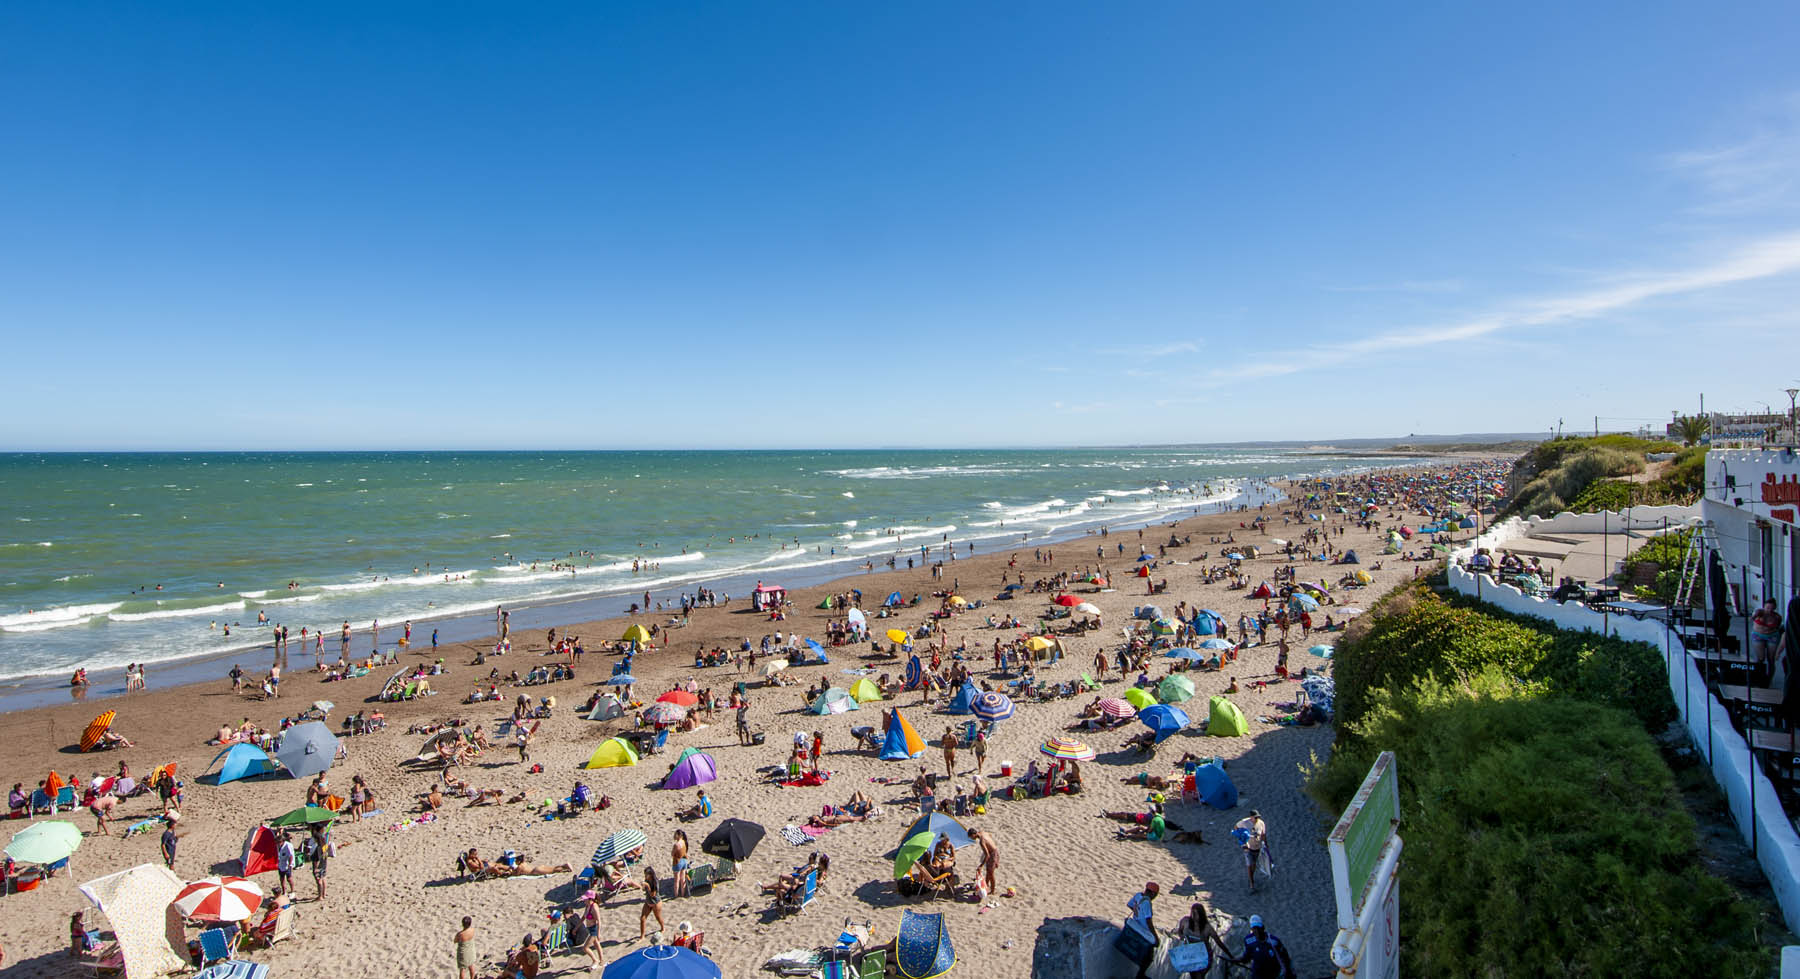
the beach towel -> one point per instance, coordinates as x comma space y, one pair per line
810, 778
795, 835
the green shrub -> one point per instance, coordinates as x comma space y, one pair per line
1543, 838
1573, 471
1666, 552
1411, 635
1604, 494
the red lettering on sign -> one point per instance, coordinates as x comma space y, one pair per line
1786, 515
1784, 490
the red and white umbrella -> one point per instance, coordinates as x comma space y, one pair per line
1114, 707
219, 899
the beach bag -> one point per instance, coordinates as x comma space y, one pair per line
1192, 957
604, 803
1135, 942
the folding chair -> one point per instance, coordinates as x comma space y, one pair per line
214, 946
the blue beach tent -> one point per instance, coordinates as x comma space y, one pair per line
1214, 787
963, 701
243, 761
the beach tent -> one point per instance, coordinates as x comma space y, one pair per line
1263, 591
242, 761
940, 824
693, 769
637, 634
307, 749
1148, 613
613, 753
1466, 523
963, 701
1225, 719
1351, 558
922, 950
1214, 787
136, 904
734, 839
662, 962
826, 603
1206, 622
856, 618
865, 690
902, 741
837, 700
1143, 571
894, 600
606, 708
259, 852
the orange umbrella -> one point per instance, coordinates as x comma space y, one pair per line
54, 782
680, 697
96, 730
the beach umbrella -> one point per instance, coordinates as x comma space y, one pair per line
1140, 698
679, 697
663, 712
1015, 586
1301, 602
1234, 556
1215, 643
958, 600
615, 847
734, 839
1038, 644
942, 824
1098, 581
323, 706
1175, 689
813, 644
993, 706
307, 749
1066, 601
1364, 578
1114, 707
219, 899
1089, 608
1066, 749
662, 962
1164, 719
637, 634
900, 636
1277, 542
856, 616
45, 842
621, 680
305, 816
1143, 558
1182, 652
774, 666
1321, 651
1162, 627
917, 847
963, 701
96, 730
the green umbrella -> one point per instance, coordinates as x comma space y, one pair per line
46, 842
1175, 689
306, 816
1139, 697
916, 847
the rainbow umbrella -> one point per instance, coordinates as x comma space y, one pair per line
97, 729
992, 706
663, 712
1066, 749
219, 899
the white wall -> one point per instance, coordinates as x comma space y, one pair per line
1777, 844
1638, 518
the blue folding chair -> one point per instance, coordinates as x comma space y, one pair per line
214, 946
65, 797
808, 891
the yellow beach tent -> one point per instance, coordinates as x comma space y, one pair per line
865, 690
613, 753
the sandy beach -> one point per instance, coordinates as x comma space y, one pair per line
394, 899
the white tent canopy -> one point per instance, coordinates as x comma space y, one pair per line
136, 902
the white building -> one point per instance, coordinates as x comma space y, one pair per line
1752, 496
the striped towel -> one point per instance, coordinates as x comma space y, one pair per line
795, 835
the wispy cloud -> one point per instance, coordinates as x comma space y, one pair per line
1168, 349
1751, 174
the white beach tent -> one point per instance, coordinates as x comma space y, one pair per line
137, 904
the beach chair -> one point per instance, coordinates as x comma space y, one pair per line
724, 870
214, 946
1087, 683
556, 939
65, 797
873, 965
662, 738
109, 961
700, 875
969, 730
809, 889
41, 802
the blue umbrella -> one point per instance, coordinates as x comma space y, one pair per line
1142, 558
813, 644
993, 706
1012, 587
1302, 602
1215, 643
622, 680
1164, 719
1182, 652
662, 962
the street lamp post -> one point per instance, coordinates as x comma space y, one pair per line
1793, 420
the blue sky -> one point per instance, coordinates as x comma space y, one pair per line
703, 224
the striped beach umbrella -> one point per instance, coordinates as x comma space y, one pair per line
617, 845
993, 706
664, 712
1114, 707
219, 899
97, 729
1066, 749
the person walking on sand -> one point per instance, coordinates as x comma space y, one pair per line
1266, 956
949, 742
321, 854
652, 902
169, 839
522, 740
981, 746
1253, 833
465, 949
990, 860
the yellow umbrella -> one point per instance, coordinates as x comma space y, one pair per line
899, 636
1139, 697
958, 600
1364, 578
1038, 644
637, 633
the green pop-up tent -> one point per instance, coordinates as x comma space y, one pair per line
1225, 719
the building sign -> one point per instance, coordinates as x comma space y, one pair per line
1783, 490
1358, 839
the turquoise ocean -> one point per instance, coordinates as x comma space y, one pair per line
317, 539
